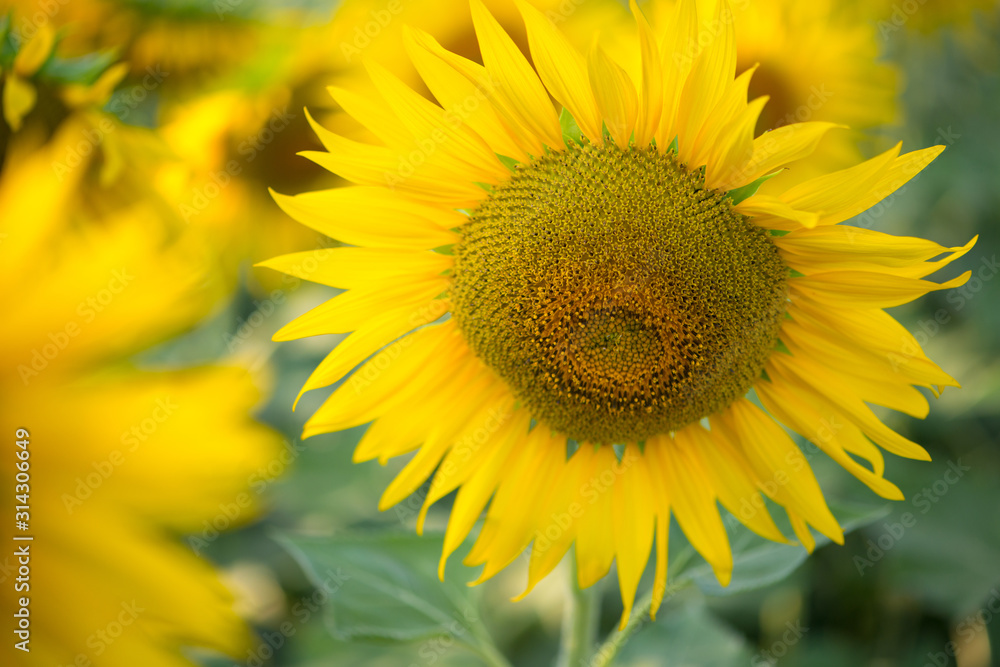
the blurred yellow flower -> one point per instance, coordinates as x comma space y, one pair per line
123, 462
817, 62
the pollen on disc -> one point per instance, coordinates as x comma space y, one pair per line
616, 295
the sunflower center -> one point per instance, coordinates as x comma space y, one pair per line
616, 295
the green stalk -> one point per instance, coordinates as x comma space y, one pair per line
579, 631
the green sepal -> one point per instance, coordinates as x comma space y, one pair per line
485, 186
777, 232
792, 273
781, 347
508, 162
750, 189
673, 147
570, 130
571, 447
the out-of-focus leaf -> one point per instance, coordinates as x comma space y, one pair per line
83, 70
688, 634
387, 589
758, 562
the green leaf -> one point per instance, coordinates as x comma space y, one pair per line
388, 588
690, 634
83, 70
750, 189
758, 562
570, 130
8, 49
673, 147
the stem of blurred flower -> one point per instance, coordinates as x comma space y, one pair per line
608, 651
583, 610
491, 654
606, 654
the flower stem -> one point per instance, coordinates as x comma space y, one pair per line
579, 631
606, 654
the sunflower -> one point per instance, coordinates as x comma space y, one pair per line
817, 61
567, 315
122, 461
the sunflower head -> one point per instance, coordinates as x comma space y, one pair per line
615, 294
609, 274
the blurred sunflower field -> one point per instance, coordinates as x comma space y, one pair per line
164, 504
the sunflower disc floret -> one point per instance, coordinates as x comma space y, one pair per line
617, 295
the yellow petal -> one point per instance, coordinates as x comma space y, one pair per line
475, 493
446, 139
348, 268
374, 116
692, 499
459, 96
594, 551
831, 393
615, 95
634, 523
902, 169
562, 69
462, 398
366, 340
350, 311
559, 520
795, 411
34, 54
19, 98
773, 150
485, 83
391, 377
677, 56
410, 173
651, 90
865, 289
735, 482
711, 77
515, 83
778, 461
765, 208
373, 217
